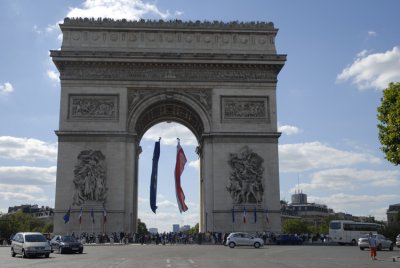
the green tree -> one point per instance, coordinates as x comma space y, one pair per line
142, 229
194, 229
389, 126
295, 226
19, 222
48, 228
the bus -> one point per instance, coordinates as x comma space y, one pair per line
348, 232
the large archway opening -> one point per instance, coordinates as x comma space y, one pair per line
167, 213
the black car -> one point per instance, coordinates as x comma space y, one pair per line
287, 239
66, 243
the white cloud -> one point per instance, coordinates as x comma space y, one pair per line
27, 149
22, 198
53, 27
289, 130
349, 179
53, 75
372, 33
374, 71
6, 88
315, 155
363, 203
25, 175
169, 132
195, 164
116, 9
36, 29
20, 188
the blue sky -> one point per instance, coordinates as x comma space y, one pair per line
340, 55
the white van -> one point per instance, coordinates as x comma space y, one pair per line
30, 244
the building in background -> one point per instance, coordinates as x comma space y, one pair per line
184, 228
42, 213
393, 214
175, 228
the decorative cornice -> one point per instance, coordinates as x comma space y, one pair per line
177, 24
191, 72
168, 36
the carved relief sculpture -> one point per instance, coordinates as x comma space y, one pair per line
246, 177
93, 107
90, 178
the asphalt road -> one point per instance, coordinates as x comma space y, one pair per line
210, 256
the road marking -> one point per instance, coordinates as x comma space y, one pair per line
191, 261
168, 263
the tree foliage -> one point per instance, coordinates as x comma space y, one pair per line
295, 226
142, 229
389, 126
22, 222
194, 230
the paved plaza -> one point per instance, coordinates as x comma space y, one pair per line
154, 256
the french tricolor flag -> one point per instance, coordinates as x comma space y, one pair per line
180, 165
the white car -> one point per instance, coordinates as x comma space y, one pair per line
381, 241
398, 241
30, 244
243, 239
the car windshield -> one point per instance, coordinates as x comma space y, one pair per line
335, 225
35, 238
68, 239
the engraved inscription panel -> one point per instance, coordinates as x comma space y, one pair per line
245, 108
93, 107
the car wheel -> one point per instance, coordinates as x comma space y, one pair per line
361, 248
12, 253
60, 249
257, 245
379, 247
47, 255
391, 247
24, 254
231, 244
353, 242
80, 251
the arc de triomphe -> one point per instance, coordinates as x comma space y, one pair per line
119, 78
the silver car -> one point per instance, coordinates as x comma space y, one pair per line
30, 244
381, 241
243, 239
398, 241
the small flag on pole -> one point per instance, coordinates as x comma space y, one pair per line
153, 178
255, 215
92, 215
179, 166
233, 215
80, 216
104, 215
66, 216
244, 215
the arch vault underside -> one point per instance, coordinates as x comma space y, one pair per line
119, 78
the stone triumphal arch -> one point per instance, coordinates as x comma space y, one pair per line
119, 78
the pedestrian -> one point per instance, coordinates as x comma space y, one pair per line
372, 246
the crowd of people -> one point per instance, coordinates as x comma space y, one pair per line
159, 238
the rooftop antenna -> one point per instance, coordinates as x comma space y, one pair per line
298, 182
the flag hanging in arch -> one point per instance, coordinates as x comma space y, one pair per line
179, 166
153, 180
